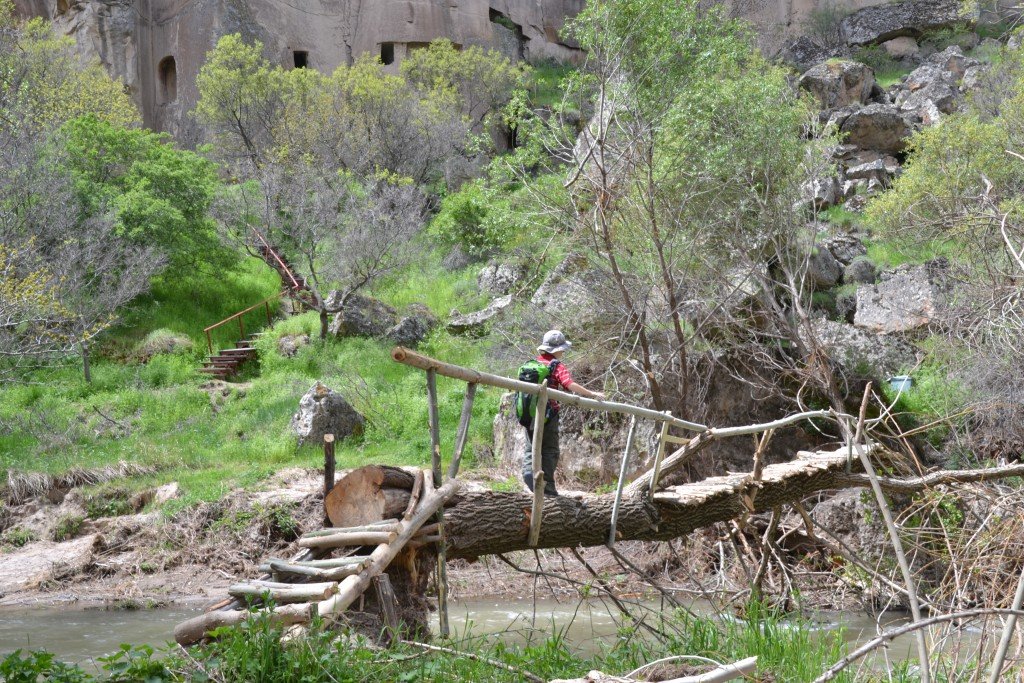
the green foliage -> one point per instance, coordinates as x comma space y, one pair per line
159, 195
108, 504
466, 220
949, 166
17, 537
44, 83
131, 664
479, 82
887, 69
823, 23
548, 83
31, 667
360, 118
67, 527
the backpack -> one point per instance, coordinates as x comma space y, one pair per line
534, 372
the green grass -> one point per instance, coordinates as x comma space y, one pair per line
887, 70
787, 650
211, 446
892, 253
546, 83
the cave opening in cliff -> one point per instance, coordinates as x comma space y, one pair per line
300, 58
387, 53
168, 72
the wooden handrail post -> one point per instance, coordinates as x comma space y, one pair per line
328, 471
463, 433
435, 427
656, 470
241, 328
209, 341
538, 470
622, 480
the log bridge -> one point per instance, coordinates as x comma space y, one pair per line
384, 519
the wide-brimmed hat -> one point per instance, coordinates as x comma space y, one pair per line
554, 341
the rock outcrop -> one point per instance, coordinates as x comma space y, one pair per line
904, 299
158, 51
839, 83
880, 23
324, 411
475, 323
881, 127
362, 316
413, 328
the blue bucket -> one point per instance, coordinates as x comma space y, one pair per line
901, 383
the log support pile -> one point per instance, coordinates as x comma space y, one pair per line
312, 584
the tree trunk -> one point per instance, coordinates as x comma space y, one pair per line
86, 370
489, 522
323, 323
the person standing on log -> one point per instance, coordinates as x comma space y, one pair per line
552, 348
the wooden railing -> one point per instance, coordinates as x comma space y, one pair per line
647, 482
272, 252
238, 316
544, 394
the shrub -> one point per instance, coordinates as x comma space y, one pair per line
467, 220
823, 23
17, 537
66, 528
163, 341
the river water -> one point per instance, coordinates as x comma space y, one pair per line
80, 635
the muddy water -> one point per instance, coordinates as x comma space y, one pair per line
80, 635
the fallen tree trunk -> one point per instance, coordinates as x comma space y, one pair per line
493, 522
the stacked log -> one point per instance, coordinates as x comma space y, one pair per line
310, 584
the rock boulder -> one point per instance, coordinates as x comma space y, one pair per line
879, 23
362, 316
573, 294
413, 328
904, 299
498, 278
880, 127
474, 323
289, 344
839, 83
324, 411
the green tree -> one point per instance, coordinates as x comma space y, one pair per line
683, 183
159, 196
479, 82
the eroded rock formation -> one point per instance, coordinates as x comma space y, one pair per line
156, 47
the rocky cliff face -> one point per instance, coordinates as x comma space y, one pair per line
156, 47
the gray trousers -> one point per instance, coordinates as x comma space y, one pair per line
548, 455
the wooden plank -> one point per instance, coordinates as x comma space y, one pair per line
678, 440
622, 480
388, 604
345, 538
656, 470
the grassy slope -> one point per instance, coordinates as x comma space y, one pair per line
173, 424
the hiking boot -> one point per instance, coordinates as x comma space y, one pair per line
528, 480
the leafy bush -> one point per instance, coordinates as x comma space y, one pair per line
67, 527
887, 69
468, 219
17, 537
823, 23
